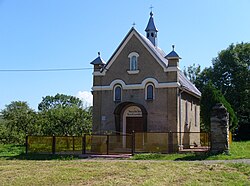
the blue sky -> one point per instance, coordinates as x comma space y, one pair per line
47, 34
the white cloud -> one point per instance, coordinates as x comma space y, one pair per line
86, 98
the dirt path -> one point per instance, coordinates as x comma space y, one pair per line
245, 161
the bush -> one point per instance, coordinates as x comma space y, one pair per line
211, 96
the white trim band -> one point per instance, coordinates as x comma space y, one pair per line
136, 86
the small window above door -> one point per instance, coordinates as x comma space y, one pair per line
133, 63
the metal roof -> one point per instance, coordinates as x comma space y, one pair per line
157, 51
172, 55
98, 61
186, 84
151, 25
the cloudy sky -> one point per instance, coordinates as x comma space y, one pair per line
63, 34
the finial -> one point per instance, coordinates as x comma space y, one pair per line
173, 47
99, 54
151, 7
133, 24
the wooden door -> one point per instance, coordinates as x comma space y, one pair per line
134, 124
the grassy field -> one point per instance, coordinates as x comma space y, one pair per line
16, 168
120, 172
238, 150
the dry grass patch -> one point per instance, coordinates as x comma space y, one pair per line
103, 172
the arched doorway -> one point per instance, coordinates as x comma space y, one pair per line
132, 120
130, 117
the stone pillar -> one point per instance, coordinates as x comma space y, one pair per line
219, 129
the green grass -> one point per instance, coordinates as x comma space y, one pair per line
104, 172
12, 152
238, 150
17, 168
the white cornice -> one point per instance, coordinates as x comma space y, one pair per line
172, 69
136, 86
97, 74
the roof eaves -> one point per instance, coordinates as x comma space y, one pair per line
188, 85
98, 61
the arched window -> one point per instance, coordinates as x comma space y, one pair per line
149, 92
117, 93
133, 61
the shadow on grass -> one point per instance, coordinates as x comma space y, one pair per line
198, 157
32, 156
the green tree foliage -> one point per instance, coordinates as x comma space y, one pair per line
211, 96
59, 101
230, 73
64, 115
18, 119
192, 72
58, 115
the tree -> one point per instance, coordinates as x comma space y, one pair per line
211, 96
64, 115
59, 100
231, 75
19, 120
192, 72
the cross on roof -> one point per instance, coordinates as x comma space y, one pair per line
133, 24
151, 8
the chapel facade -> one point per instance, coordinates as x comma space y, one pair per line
142, 89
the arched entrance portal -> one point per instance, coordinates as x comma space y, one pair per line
132, 120
130, 117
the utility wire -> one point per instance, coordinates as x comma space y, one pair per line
45, 70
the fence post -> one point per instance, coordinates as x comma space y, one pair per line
107, 144
84, 144
133, 143
53, 144
26, 144
170, 142
73, 143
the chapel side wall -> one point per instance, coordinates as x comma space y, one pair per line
190, 120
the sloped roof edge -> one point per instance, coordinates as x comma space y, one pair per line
188, 85
145, 41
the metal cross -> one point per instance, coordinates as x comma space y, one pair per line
151, 7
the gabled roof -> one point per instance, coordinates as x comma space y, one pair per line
151, 24
187, 85
157, 53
